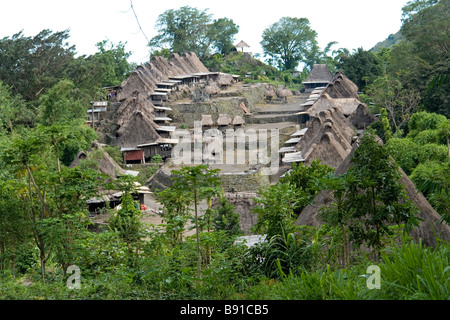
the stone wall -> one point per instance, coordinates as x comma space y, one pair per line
245, 181
243, 203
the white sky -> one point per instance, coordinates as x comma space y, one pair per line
352, 23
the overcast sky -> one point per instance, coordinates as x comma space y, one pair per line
352, 23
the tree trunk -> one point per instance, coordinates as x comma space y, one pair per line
199, 259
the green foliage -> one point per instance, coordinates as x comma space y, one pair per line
226, 219
190, 29
31, 65
276, 209
305, 179
288, 41
405, 151
126, 221
362, 65
376, 194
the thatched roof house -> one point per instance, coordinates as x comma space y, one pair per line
270, 93
238, 121
320, 76
135, 121
342, 87
328, 137
207, 120
145, 78
428, 227
223, 120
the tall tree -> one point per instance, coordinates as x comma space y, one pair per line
376, 195
190, 29
362, 67
31, 65
198, 181
289, 41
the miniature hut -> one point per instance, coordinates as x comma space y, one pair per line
269, 93
207, 122
238, 122
241, 45
223, 122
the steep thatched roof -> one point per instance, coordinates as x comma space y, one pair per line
188, 62
319, 74
146, 77
328, 138
341, 87
427, 227
135, 120
357, 112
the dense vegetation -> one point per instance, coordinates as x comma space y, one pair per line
45, 228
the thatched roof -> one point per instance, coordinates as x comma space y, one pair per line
426, 229
357, 112
341, 87
270, 92
328, 137
207, 120
319, 74
238, 120
146, 77
135, 118
284, 93
223, 120
242, 44
224, 79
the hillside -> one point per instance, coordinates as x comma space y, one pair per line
389, 41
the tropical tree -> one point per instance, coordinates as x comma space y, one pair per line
31, 65
190, 29
289, 41
376, 195
199, 182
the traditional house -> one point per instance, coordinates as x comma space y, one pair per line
319, 76
223, 122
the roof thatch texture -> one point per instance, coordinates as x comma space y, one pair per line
238, 120
319, 74
284, 93
341, 87
146, 77
207, 120
224, 79
135, 121
270, 92
328, 138
242, 44
188, 62
223, 120
427, 227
